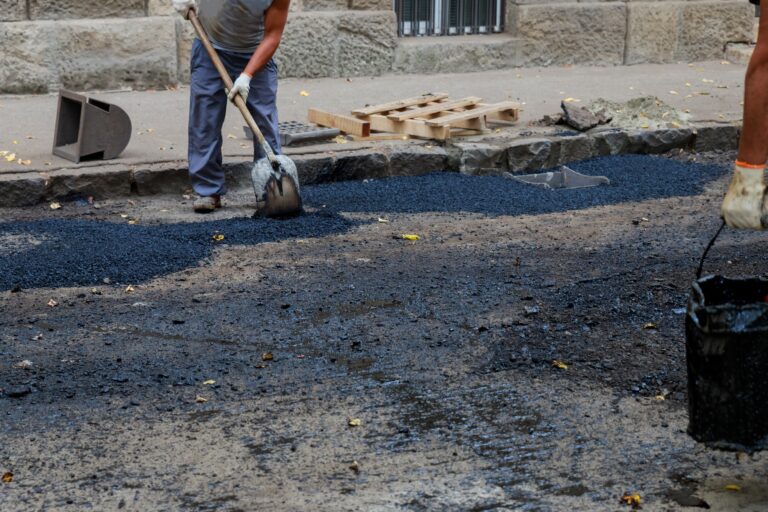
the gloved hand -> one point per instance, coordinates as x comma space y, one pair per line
184, 6
743, 204
241, 86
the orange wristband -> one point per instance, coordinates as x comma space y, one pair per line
749, 166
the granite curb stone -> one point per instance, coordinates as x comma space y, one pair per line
515, 154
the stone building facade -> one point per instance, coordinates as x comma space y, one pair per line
106, 44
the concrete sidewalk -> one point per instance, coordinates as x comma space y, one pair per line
711, 92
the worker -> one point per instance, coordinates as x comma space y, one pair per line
743, 203
245, 34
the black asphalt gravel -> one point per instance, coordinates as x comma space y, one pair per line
633, 178
78, 252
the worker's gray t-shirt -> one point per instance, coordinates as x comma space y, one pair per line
234, 25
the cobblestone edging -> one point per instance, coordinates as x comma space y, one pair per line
519, 153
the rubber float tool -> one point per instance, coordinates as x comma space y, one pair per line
274, 177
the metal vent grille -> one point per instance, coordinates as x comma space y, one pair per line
449, 17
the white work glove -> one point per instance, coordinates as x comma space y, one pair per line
743, 204
184, 6
241, 86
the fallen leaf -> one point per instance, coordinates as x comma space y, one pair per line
412, 238
707, 81
7, 477
131, 222
3, 153
340, 139
571, 100
29, 137
354, 422
733, 487
355, 466
673, 92
230, 136
200, 399
55, 206
383, 221
52, 303
218, 237
660, 398
15, 142
23, 365
129, 289
209, 382
23, 162
304, 93
632, 500
559, 365
267, 356
650, 325
11, 157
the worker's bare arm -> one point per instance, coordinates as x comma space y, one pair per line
274, 23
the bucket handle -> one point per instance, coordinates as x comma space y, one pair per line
706, 251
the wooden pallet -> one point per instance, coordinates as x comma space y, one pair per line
431, 116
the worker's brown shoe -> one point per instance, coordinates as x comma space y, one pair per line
206, 204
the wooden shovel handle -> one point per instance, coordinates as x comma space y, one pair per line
239, 101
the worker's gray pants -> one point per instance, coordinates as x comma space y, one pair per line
207, 106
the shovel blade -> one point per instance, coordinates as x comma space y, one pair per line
277, 191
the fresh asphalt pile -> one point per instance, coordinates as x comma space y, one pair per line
78, 252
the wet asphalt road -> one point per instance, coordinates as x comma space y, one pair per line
226, 376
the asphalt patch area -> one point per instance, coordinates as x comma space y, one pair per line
79, 252
231, 385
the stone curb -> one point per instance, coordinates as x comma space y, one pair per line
524, 151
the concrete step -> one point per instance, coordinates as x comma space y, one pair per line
456, 54
739, 53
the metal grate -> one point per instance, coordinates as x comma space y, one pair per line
449, 17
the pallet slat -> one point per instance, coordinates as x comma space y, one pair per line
395, 105
347, 124
472, 113
434, 109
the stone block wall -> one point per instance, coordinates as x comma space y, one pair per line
105, 44
553, 32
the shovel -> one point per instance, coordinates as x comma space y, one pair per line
275, 178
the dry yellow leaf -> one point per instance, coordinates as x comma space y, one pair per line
200, 399
340, 139
129, 289
673, 92
23, 162
7, 477
230, 136
131, 222
15, 142
209, 382
304, 93
571, 100
11, 157
733, 487
52, 303
650, 325
54, 206
559, 365
354, 422
267, 356
412, 238
3, 153
631, 499
383, 221
218, 237
123, 215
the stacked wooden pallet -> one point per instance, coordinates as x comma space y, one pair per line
431, 116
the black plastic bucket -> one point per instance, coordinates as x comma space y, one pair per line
726, 332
